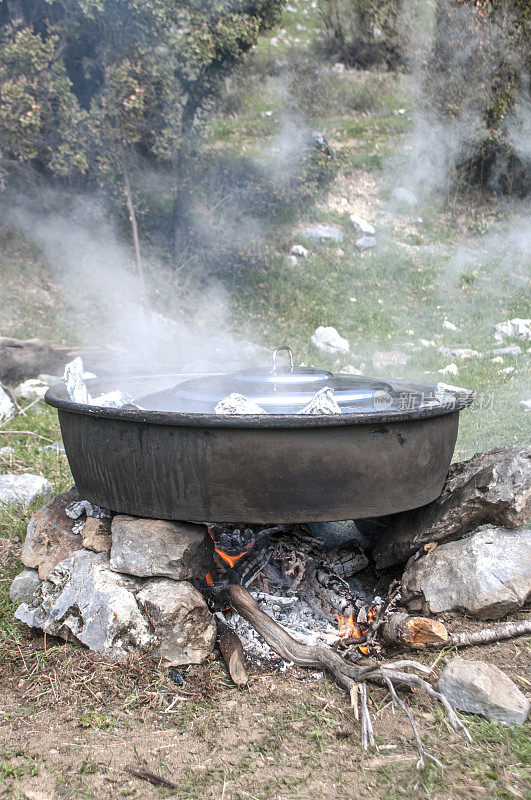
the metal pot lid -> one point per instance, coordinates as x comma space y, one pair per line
285, 389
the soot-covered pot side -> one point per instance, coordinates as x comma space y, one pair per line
261, 469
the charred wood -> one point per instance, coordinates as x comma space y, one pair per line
345, 674
232, 651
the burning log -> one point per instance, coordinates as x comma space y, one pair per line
346, 675
413, 632
232, 651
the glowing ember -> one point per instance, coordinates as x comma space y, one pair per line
209, 578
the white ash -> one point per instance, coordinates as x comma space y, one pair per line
296, 617
237, 404
323, 402
7, 451
80, 507
78, 526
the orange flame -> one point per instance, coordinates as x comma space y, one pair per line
348, 628
209, 578
230, 560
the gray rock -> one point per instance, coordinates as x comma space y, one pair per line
328, 341
183, 624
21, 490
517, 328
96, 535
390, 358
486, 575
492, 488
299, 251
525, 405
461, 353
404, 197
361, 225
84, 600
24, 586
323, 233
154, 547
508, 351
50, 538
480, 688
7, 451
365, 243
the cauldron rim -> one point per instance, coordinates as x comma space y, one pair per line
57, 397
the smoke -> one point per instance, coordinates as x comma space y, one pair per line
454, 63
168, 330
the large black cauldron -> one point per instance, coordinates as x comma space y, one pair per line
387, 450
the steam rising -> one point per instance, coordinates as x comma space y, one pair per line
95, 271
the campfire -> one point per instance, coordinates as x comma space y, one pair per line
327, 596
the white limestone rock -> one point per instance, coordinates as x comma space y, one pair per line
328, 341
485, 575
480, 688
21, 490
84, 600
24, 586
450, 369
361, 226
160, 548
299, 251
31, 389
514, 328
7, 409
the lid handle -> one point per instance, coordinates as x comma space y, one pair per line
290, 357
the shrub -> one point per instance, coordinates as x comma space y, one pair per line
363, 32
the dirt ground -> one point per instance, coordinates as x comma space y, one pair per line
74, 722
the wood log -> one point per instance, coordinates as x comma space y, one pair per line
232, 651
27, 358
413, 632
491, 488
496, 633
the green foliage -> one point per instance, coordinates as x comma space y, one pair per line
478, 75
364, 32
87, 84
